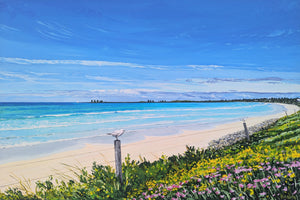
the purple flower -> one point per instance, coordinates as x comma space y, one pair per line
218, 192
241, 185
231, 191
274, 169
278, 186
277, 174
262, 194
285, 189
295, 192
199, 179
222, 196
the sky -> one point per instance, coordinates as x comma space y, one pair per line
135, 50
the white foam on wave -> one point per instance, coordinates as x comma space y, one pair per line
93, 122
139, 111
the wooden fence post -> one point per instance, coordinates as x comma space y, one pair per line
246, 130
118, 159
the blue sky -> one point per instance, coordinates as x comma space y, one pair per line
137, 50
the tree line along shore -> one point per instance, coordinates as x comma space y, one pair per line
295, 101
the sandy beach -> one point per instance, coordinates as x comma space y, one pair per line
60, 165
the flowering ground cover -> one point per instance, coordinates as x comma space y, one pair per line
266, 167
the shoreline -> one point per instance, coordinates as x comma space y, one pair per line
39, 149
57, 164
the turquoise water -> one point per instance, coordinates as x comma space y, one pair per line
27, 124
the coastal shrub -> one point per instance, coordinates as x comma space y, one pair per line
282, 136
289, 142
16, 194
271, 181
238, 155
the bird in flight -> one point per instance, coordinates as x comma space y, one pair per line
117, 133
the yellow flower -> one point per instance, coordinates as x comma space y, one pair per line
251, 192
277, 180
293, 175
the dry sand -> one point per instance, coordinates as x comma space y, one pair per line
151, 148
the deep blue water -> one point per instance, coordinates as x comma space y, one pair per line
23, 124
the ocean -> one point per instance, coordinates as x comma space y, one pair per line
33, 129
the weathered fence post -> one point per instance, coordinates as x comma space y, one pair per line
246, 130
118, 159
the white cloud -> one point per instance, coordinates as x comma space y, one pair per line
53, 30
99, 63
4, 27
98, 29
122, 91
29, 77
205, 67
16, 75
102, 78
43, 74
276, 33
69, 62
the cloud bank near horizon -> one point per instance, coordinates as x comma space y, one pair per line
112, 81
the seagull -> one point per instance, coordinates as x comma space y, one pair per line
117, 133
